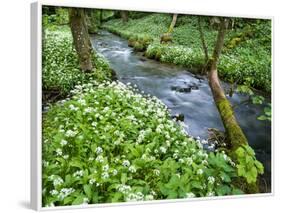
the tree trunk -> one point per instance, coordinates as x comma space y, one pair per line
100, 17
124, 15
204, 45
81, 38
234, 133
173, 23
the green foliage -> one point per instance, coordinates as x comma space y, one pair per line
61, 71
109, 143
247, 53
267, 114
248, 166
59, 18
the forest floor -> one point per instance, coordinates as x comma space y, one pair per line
246, 58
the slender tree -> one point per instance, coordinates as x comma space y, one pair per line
81, 39
173, 23
204, 45
167, 37
234, 133
124, 15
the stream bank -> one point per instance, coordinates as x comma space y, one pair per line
185, 93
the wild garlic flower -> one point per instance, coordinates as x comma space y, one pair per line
114, 172
54, 192
92, 181
105, 167
79, 173
99, 150
99, 158
59, 151
190, 195
210, 194
199, 171
64, 192
156, 172
70, 133
104, 175
211, 180
163, 149
124, 188
57, 181
126, 163
132, 169
63, 142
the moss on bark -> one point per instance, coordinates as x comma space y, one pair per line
233, 130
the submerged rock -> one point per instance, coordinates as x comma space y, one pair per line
178, 117
185, 89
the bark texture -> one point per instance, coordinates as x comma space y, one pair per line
124, 15
81, 40
204, 45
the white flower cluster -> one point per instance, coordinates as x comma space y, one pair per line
190, 195
211, 180
132, 169
64, 192
131, 197
126, 163
70, 133
78, 174
57, 181
99, 150
124, 188
63, 142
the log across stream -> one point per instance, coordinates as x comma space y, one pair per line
187, 94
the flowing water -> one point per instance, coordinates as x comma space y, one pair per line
197, 105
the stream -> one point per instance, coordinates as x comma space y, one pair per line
195, 103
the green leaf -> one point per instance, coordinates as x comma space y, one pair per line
259, 167
116, 197
67, 200
88, 190
79, 200
123, 178
241, 170
223, 190
262, 118
237, 191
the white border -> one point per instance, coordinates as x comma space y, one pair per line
36, 96
36, 107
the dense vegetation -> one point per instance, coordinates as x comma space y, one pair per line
109, 143
105, 141
61, 71
246, 56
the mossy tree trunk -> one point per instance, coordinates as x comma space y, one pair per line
124, 16
167, 37
234, 132
173, 23
81, 39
